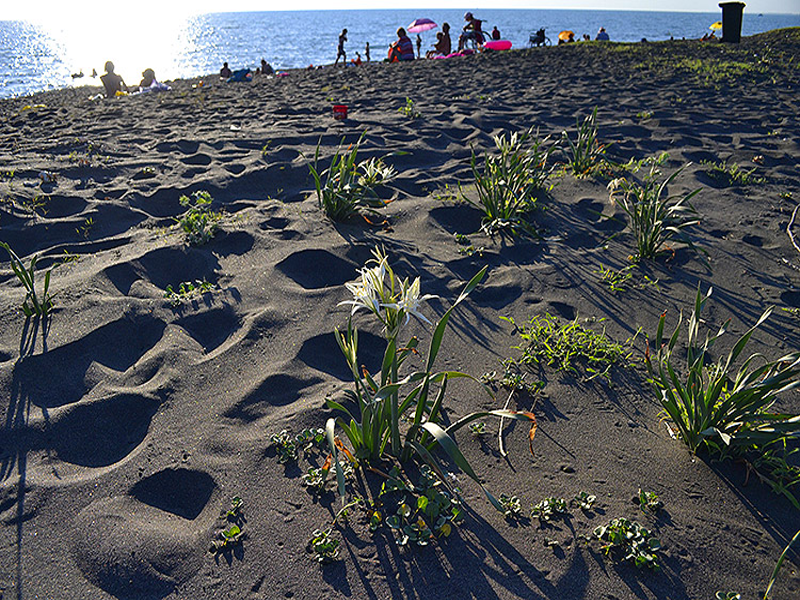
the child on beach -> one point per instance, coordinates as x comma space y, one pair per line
112, 82
340, 53
148, 77
440, 48
149, 83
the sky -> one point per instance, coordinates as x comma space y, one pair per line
50, 9
36, 11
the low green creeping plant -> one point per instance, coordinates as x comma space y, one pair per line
199, 223
629, 541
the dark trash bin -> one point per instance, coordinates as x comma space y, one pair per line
732, 21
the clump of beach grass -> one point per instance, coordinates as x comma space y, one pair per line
34, 305
655, 218
509, 182
585, 153
708, 403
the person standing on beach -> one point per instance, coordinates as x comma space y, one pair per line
366, 51
419, 46
112, 82
447, 43
340, 52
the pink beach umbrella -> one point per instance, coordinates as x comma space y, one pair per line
420, 25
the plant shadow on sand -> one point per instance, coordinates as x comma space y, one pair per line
15, 456
492, 563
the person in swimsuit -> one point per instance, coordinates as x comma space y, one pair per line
112, 82
340, 52
402, 48
472, 31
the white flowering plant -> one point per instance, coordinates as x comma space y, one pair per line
399, 410
348, 187
510, 181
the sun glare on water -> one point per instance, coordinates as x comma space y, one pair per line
134, 38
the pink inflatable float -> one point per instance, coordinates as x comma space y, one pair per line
497, 45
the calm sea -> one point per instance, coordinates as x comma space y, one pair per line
39, 57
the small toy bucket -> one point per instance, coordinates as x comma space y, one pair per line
339, 112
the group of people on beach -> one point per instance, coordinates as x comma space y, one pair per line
114, 85
402, 49
602, 36
245, 74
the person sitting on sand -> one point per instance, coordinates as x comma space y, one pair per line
150, 84
495, 33
112, 82
266, 68
439, 47
570, 39
472, 31
602, 36
357, 60
340, 53
148, 78
402, 48
225, 71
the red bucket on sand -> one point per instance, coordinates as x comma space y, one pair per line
339, 112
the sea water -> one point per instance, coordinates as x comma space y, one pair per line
39, 57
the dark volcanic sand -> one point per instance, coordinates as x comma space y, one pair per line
128, 425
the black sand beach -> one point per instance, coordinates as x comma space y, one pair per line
129, 423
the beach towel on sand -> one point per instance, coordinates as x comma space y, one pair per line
241, 75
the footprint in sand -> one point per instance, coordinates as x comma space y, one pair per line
275, 390
149, 541
316, 352
315, 269
64, 206
211, 328
67, 373
103, 432
199, 159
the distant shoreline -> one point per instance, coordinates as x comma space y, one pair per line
48, 57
